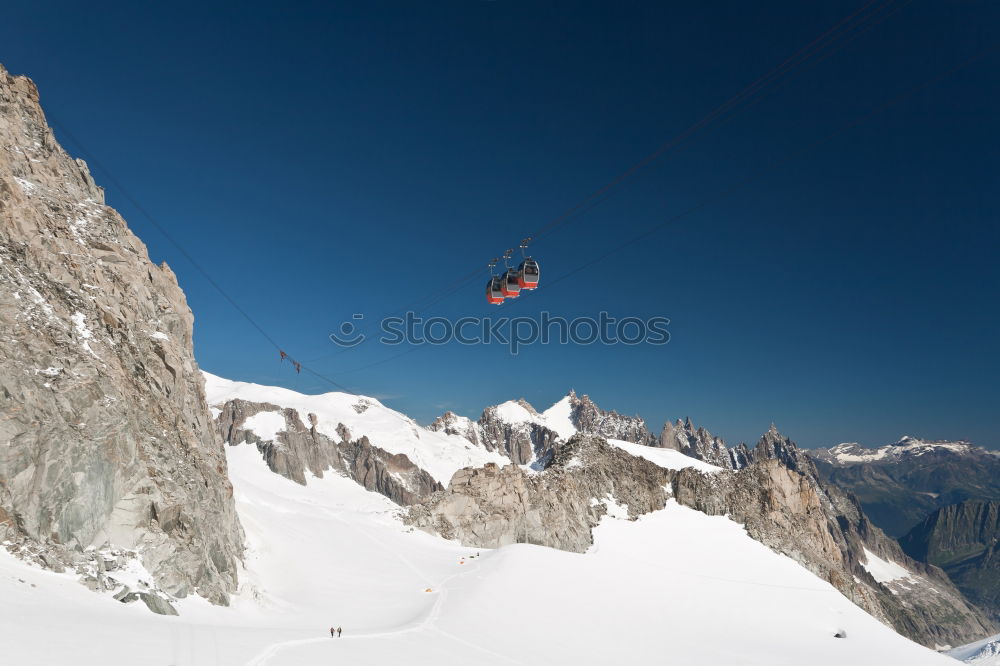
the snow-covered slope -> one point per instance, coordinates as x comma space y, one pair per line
981, 653
439, 453
666, 458
676, 586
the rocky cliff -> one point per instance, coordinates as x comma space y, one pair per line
294, 449
964, 540
493, 506
525, 440
590, 419
105, 439
698, 443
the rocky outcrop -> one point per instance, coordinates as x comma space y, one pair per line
697, 443
589, 419
524, 442
493, 506
451, 423
525, 436
964, 540
297, 449
775, 446
105, 438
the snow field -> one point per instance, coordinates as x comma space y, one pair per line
676, 586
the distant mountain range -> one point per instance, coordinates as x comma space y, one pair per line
900, 484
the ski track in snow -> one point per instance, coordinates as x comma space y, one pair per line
426, 624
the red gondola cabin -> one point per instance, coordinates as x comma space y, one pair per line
494, 291
510, 284
527, 274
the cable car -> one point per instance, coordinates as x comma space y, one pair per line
510, 283
527, 274
494, 291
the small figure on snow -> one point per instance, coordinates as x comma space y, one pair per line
338, 632
333, 632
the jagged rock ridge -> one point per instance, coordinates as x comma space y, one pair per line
588, 418
529, 437
698, 443
106, 439
297, 449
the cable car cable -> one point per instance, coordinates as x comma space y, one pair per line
815, 47
733, 189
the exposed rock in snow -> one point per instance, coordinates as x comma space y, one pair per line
451, 423
493, 506
696, 442
106, 438
528, 437
518, 432
297, 451
338, 417
586, 417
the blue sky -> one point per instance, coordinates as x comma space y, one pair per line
341, 158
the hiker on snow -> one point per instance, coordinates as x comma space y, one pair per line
338, 632
333, 632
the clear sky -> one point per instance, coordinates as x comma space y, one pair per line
326, 159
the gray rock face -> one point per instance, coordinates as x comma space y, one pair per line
696, 442
451, 423
157, 604
532, 442
775, 446
523, 443
104, 433
964, 540
298, 449
590, 419
699, 443
493, 506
